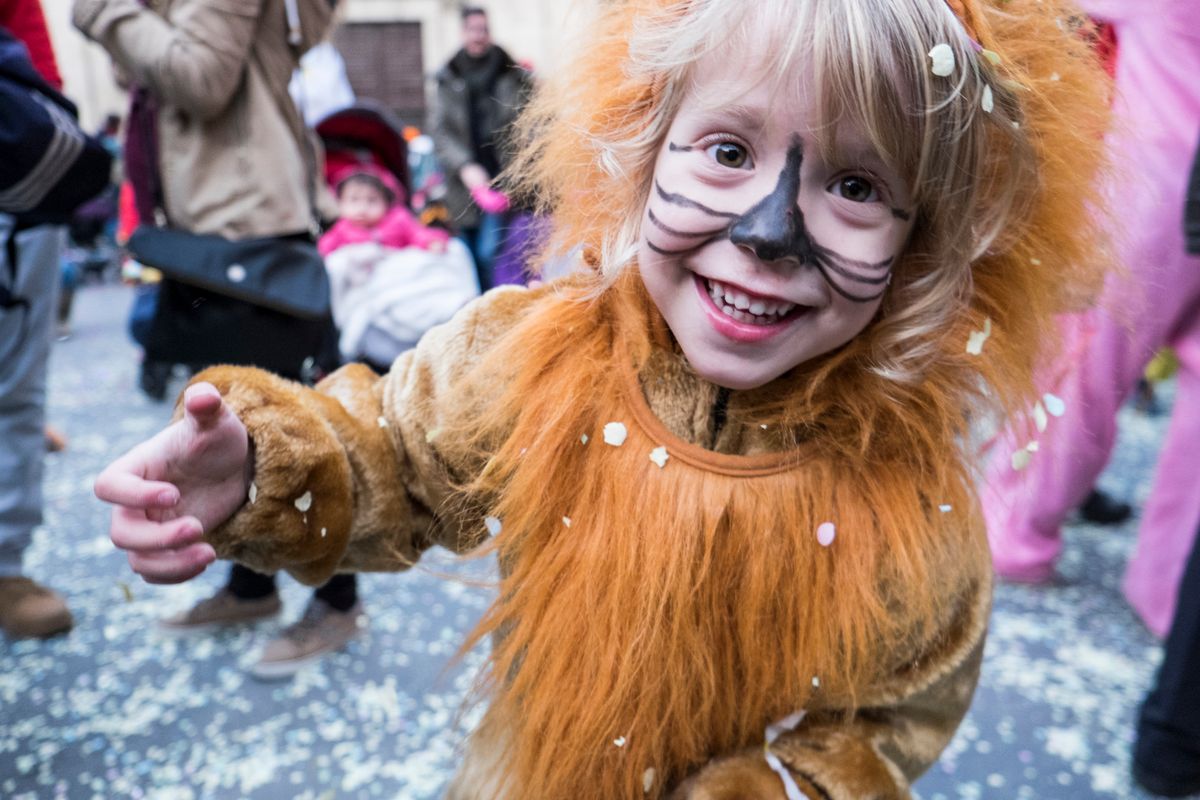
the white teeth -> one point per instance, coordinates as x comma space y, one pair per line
737, 305
740, 301
758, 308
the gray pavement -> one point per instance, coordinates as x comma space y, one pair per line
119, 709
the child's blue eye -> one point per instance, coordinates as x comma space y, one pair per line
856, 189
730, 154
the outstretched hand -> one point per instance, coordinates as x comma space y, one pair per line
168, 490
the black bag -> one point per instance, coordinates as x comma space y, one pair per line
257, 302
49, 166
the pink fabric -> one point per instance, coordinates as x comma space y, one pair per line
399, 228
1155, 136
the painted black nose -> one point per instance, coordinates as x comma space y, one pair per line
774, 227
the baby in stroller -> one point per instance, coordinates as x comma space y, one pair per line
391, 278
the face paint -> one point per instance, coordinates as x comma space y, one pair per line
773, 229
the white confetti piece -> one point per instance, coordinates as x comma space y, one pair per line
615, 433
977, 338
493, 525
1054, 404
383, 423
941, 59
1054, 76
764, 427
659, 456
324, 532
304, 502
1021, 459
816, 682
253, 494
774, 731
1032, 446
945, 508
648, 780
567, 521
1037, 262
584, 438
619, 741
826, 532
989, 101
1040, 421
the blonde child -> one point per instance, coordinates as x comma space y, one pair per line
724, 470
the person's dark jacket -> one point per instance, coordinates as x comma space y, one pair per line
455, 133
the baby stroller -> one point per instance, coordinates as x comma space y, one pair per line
408, 291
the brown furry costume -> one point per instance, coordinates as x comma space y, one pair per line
681, 608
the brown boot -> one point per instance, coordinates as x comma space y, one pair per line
30, 610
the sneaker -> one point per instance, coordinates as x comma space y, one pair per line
29, 610
321, 630
223, 608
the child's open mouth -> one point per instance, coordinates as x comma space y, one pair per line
747, 308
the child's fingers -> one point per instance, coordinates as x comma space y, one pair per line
172, 566
202, 401
132, 530
121, 485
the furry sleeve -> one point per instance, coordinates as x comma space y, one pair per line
880, 749
347, 476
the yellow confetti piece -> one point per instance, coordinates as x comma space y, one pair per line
992, 56
941, 59
432, 434
126, 591
1021, 459
1037, 262
659, 456
304, 502
977, 338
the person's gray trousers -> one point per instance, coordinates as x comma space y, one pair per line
25, 335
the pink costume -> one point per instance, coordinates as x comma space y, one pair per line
399, 228
1154, 138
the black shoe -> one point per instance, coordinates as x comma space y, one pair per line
153, 379
1102, 509
1162, 786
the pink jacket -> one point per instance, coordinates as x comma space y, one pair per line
399, 228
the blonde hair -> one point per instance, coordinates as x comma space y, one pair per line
992, 189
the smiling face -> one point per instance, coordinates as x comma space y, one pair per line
761, 251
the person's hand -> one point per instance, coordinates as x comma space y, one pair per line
170, 489
490, 200
473, 176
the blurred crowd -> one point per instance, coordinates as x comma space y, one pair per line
266, 215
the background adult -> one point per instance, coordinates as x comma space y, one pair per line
217, 146
480, 92
1157, 122
29, 276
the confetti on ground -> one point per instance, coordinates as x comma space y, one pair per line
941, 59
615, 433
826, 532
304, 502
659, 456
493, 525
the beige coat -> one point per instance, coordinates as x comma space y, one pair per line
374, 462
232, 146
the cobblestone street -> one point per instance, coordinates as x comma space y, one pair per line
120, 709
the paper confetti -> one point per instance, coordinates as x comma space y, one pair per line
584, 438
1021, 459
304, 502
567, 521
992, 56
977, 338
942, 60
324, 532
989, 100
659, 456
1054, 404
432, 434
1032, 446
253, 494
816, 682
945, 508
493, 525
648, 780
619, 741
382, 422
826, 532
615, 434
1040, 420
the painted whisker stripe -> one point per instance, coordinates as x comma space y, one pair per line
850, 263
847, 274
852, 297
685, 251
662, 226
680, 200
